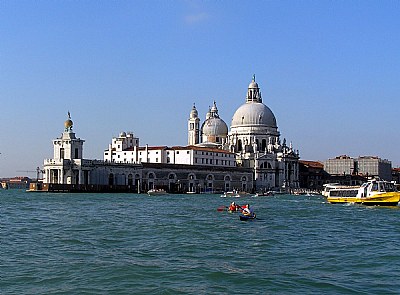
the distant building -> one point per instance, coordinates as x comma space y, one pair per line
396, 175
18, 182
366, 166
312, 175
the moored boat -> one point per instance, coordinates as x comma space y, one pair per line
234, 194
373, 193
155, 192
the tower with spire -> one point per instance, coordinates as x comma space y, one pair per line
193, 127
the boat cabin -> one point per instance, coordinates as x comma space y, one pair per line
376, 187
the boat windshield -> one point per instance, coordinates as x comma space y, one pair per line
389, 187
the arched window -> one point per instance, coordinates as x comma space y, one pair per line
263, 144
239, 145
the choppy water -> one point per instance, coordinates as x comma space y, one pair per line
180, 244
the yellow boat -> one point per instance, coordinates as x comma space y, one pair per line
372, 193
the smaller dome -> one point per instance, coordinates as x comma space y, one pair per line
253, 84
122, 134
193, 112
215, 127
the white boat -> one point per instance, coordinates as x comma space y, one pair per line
264, 194
234, 194
155, 192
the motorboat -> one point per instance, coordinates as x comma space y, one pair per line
155, 192
373, 193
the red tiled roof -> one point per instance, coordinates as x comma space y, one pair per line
313, 164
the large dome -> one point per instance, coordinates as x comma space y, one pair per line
253, 113
215, 127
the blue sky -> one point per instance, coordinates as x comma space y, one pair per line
329, 70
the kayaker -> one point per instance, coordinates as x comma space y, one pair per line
233, 207
246, 210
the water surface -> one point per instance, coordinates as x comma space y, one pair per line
180, 244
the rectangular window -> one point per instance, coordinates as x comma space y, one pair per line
76, 153
61, 153
188, 152
156, 159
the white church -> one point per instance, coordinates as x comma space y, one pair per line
253, 138
248, 157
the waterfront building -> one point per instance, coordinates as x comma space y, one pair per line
18, 182
340, 165
129, 167
368, 166
248, 157
312, 175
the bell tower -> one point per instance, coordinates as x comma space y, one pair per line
193, 127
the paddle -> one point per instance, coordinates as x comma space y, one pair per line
221, 208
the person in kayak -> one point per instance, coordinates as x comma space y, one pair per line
233, 207
247, 211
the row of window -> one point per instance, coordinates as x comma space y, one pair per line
210, 161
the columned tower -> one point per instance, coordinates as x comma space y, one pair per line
193, 127
66, 165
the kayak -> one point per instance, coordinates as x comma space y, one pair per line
245, 217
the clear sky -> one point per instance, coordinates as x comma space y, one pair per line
329, 70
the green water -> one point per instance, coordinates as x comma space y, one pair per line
180, 244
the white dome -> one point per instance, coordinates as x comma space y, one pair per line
215, 127
253, 113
